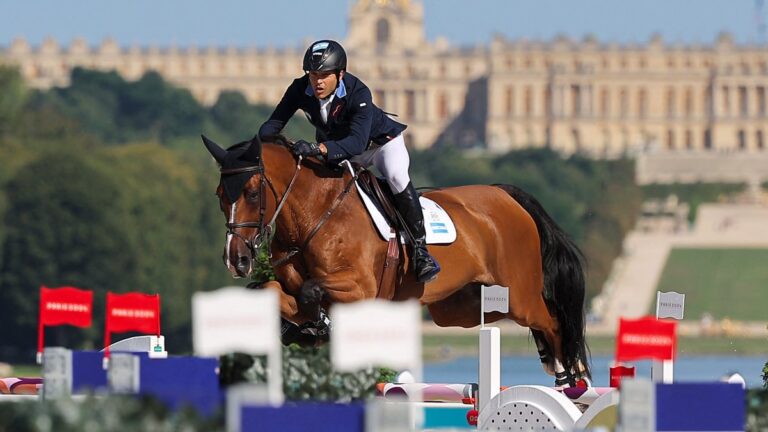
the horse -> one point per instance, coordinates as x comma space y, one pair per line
325, 249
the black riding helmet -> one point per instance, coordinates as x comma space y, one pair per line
325, 56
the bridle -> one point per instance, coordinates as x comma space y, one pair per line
264, 231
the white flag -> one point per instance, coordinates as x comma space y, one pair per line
495, 298
670, 305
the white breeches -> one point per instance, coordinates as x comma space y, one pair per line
391, 160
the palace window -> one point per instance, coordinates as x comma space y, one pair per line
642, 103
528, 101
605, 103
510, 63
726, 101
707, 139
410, 104
761, 100
576, 100
623, 102
670, 139
576, 139
745, 68
382, 32
742, 139
380, 98
670, 102
509, 101
743, 102
442, 106
759, 143
528, 62
688, 139
688, 103
671, 62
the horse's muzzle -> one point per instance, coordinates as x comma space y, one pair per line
243, 266
238, 260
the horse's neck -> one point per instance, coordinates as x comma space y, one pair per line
306, 205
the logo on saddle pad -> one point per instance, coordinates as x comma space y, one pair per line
437, 223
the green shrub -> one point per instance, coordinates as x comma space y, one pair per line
307, 375
757, 410
107, 413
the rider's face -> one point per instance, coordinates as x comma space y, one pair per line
324, 83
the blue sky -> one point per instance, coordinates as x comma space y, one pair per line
291, 22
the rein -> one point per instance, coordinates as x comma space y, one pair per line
339, 199
265, 230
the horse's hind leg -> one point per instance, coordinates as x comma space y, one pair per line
545, 330
545, 352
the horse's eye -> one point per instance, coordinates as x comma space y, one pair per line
252, 196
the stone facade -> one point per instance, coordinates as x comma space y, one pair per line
601, 99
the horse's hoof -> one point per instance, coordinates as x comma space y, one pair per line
564, 379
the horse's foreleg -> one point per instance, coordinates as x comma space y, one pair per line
289, 308
316, 295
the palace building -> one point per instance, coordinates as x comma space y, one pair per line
588, 96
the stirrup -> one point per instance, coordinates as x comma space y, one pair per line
429, 276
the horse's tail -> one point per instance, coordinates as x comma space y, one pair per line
564, 281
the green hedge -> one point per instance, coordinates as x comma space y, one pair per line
109, 413
307, 375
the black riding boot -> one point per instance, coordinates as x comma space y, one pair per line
425, 267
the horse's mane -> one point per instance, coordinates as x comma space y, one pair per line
278, 139
320, 169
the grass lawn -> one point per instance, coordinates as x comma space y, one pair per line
727, 283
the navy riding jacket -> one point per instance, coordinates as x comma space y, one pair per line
353, 120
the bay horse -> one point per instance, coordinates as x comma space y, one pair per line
325, 249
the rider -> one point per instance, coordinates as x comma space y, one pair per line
349, 126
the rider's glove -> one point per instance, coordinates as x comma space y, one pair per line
306, 149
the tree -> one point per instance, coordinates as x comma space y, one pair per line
65, 227
13, 96
168, 227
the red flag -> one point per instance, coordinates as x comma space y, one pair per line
64, 305
137, 312
646, 338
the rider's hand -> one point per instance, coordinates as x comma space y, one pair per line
306, 149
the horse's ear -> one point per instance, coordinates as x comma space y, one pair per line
217, 152
253, 153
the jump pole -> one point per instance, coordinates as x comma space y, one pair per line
489, 368
668, 305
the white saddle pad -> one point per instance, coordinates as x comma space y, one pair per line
437, 223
